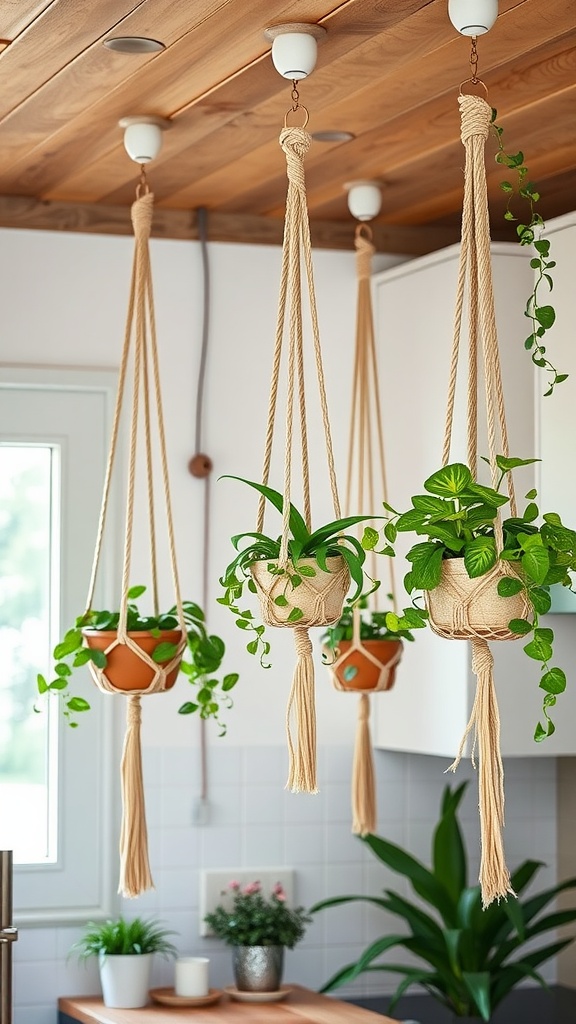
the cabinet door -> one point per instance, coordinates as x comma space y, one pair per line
428, 709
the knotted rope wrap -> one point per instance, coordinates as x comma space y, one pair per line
135, 875
365, 457
473, 609
296, 247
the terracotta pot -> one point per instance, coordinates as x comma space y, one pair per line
461, 608
375, 661
319, 597
125, 670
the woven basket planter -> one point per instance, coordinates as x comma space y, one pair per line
320, 597
128, 671
375, 661
461, 608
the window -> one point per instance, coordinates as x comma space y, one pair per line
55, 782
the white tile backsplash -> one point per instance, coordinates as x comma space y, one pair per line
254, 821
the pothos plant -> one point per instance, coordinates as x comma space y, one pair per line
375, 625
327, 541
202, 658
541, 316
456, 515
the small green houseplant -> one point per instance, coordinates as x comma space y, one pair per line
125, 951
308, 554
256, 919
259, 927
203, 656
456, 516
380, 634
470, 958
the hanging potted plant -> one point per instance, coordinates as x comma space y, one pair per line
305, 587
473, 590
368, 666
115, 666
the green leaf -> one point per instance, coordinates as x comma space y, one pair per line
390, 532
535, 563
539, 649
71, 642
188, 708
295, 615
422, 880
164, 652
370, 537
553, 681
506, 464
297, 525
540, 599
135, 592
281, 601
478, 985
449, 855
545, 315
479, 556
426, 561
520, 626
431, 505
449, 481
77, 704
305, 570
508, 586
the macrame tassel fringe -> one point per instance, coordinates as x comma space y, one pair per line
494, 875
135, 876
302, 770
363, 783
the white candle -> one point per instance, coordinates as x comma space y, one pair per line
191, 976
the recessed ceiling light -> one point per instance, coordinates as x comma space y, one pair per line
333, 136
134, 44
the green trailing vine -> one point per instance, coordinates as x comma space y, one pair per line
542, 317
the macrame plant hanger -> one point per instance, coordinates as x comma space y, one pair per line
140, 339
297, 249
366, 461
469, 620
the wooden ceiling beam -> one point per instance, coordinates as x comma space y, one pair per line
95, 218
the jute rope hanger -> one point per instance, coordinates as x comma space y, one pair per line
365, 427
297, 248
475, 270
135, 874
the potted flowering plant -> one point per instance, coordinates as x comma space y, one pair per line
259, 927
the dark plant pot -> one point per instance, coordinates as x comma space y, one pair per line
126, 671
258, 968
461, 608
375, 662
320, 598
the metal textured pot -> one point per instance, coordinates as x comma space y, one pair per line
258, 968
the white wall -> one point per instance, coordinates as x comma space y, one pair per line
63, 299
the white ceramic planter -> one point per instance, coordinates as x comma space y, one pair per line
125, 980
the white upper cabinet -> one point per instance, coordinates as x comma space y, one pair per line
429, 707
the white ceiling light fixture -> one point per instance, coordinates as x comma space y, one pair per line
364, 199
294, 48
333, 135
473, 17
143, 136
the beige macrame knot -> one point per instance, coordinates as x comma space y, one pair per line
475, 115
134, 712
364, 253
482, 659
142, 213
295, 142
302, 643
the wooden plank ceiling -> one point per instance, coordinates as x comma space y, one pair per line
388, 71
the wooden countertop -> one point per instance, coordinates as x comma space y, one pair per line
302, 1006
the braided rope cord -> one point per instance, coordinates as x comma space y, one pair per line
476, 270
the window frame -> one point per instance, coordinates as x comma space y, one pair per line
56, 893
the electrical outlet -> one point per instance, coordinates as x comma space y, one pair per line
214, 887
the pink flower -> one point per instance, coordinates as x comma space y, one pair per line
279, 893
234, 886
251, 888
